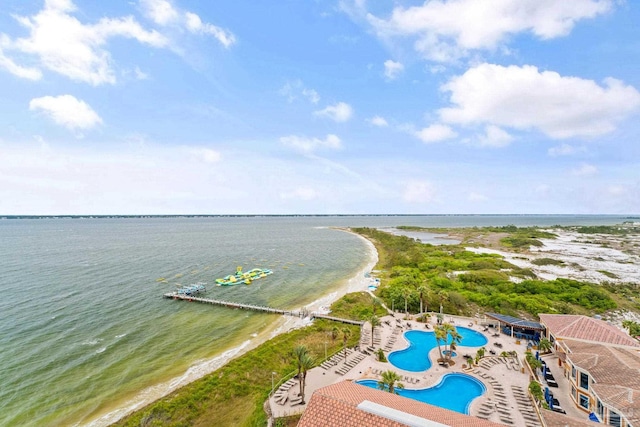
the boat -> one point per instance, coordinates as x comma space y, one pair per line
241, 277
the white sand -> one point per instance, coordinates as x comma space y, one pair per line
356, 283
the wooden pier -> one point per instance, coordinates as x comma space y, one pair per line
263, 309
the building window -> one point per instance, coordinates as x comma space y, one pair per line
614, 419
600, 409
573, 372
584, 401
573, 392
584, 381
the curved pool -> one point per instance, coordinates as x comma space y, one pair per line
454, 391
415, 358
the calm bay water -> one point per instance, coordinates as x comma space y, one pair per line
84, 328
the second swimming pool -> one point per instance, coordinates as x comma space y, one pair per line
454, 391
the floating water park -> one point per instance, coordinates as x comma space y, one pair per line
241, 277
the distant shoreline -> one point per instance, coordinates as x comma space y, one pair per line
9, 217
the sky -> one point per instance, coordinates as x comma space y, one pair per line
319, 107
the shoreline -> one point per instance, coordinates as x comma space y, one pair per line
201, 369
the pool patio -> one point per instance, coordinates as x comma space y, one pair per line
506, 400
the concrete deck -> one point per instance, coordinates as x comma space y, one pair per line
505, 401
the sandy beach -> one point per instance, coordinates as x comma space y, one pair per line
358, 282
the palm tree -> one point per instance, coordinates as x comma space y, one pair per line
406, 294
422, 289
375, 322
441, 335
335, 332
299, 353
444, 296
390, 381
544, 345
480, 354
306, 363
452, 332
346, 333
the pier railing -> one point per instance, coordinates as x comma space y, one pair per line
264, 309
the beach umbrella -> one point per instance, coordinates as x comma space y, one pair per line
547, 397
538, 355
593, 417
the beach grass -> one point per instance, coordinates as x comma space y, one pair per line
234, 394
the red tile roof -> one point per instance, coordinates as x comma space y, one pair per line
586, 329
337, 405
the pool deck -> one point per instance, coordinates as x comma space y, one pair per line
506, 399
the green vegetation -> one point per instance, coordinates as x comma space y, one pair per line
547, 261
390, 381
536, 390
465, 283
608, 274
632, 327
234, 394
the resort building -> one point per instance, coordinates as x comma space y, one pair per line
602, 365
350, 404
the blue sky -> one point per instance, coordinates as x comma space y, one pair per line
326, 106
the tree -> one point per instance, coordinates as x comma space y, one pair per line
375, 322
306, 363
346, 333
536, 390
443, 296
441, 335
632, 327
544, 345
335, 331
390, 381
450, 332
480, 353
406, 294
422, 290
299, 352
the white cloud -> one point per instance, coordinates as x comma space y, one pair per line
525, 98
378, 121
448, 30
564, 150
419, 192
196, 26
392, 69
585, 169
15, 69
161, 12
295, 88
495, 137
477, 197
206, 155
140, 75
66, 111
164, 13
66, 46
309, 145
435, 133
341, 112
616, 190
300, 193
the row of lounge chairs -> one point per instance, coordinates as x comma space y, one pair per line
346, 367
392, 339
489, 362
282, 395
524, 406
405, 378
333, 360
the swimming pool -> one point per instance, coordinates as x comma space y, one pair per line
415, 358
454, 391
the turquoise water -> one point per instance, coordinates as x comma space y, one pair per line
85, 330
415, 357
454, 391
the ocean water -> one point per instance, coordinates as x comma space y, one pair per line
85, 330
